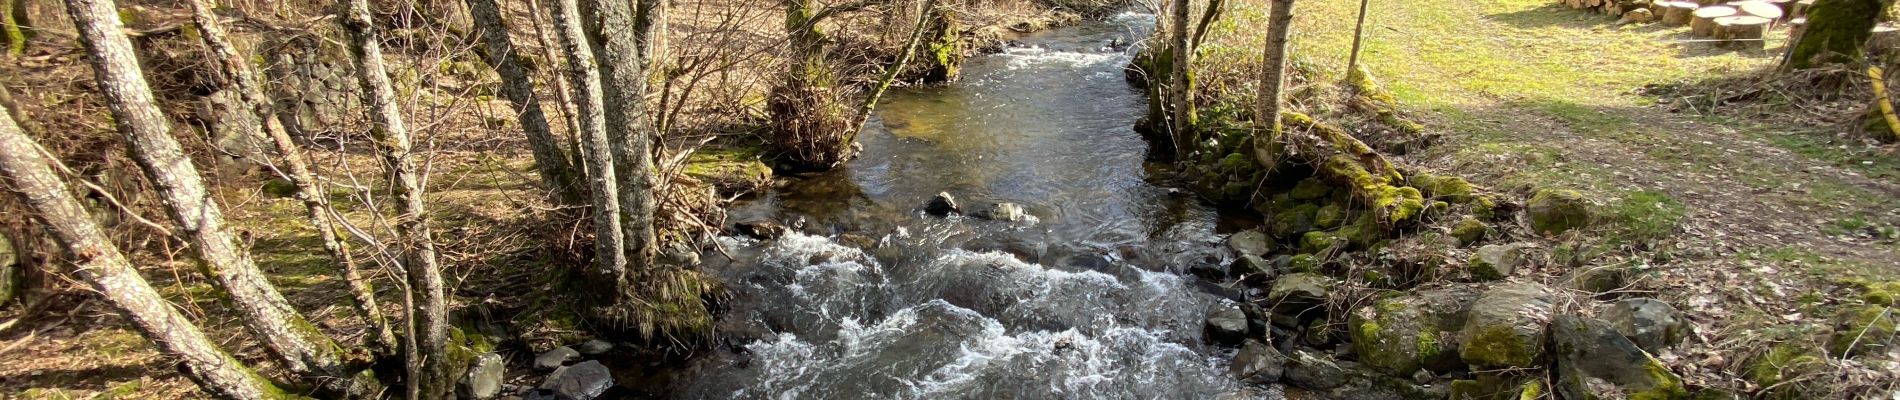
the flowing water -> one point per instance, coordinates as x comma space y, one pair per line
872, 298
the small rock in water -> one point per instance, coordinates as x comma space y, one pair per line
483, 380
594, 347
1227, 326
942, 205
1258, 363
762, 230
1652, 324
1009, 212
555, 358
584, 381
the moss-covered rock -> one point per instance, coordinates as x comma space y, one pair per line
1310, 189
1447, 188
1496, 261
1249, 242
1491, 386
1293, 221
1781, 363
1505, 328
1330, 216
1363, 232
1402, 334
1300, 294
1862, 330
1303, 263
1595, 362
1469, 230
1484, 207
1554, 211
1652, 324
1317, 242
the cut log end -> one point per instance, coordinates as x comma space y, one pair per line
1741, 31
1703, 23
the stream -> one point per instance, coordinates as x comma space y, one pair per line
870, 297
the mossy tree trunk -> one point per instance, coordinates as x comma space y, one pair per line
556, 169
263, 310
103, 267
602, 179
808, 117
428, 323
945, 49
1180, 84
11, 20
1837, 32
1267, 142
630, 133
237, 75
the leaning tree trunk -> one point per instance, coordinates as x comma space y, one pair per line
630, 133
10, 32
890, 72
103, 267
237, 76
584, 78
1836, 32
428, 356
263, 310
557, 172
1180, 88
1267, 144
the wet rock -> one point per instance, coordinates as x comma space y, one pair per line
1505, 327
1250, 242
761, 229
1268, 392
942, 205
1226, 326
1469, 230
1860, 330
1299, 294
584, 381
1007, 212
1343, 380
1595, 362
483, 379
1258, 363
1652, 324
552, 359
594, 347
1494, 262
1554, 211
1412, 332
1251, 268
859, 241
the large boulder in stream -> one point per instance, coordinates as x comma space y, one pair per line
1595, 362
1505, 327
584, 381
1258, 363
1006, 212
1250, 243
1401, 335
1299, 294
1226, 326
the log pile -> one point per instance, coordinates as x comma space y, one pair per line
1741, 24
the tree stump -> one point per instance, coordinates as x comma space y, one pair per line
1759, 8
1703, 24
1637, 16
1677, 13
1741, 31
1886, 40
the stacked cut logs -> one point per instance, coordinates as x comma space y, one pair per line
1731, 23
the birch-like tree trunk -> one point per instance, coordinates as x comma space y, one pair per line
557, 171
101, 265
428, 356
237, 75
624, 87
1266, 142
262, 309
584, 76
1180, 84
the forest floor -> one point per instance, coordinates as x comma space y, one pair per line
1755, 225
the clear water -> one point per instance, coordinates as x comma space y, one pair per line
1087, 300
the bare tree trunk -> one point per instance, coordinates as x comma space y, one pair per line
1267, 145
557, 65
428, 357
651, 17
101, 265
630, 133
555, 168
609, 260
890, 72
1180, 83
238, 76
14, 37
1358, 34
264, 311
